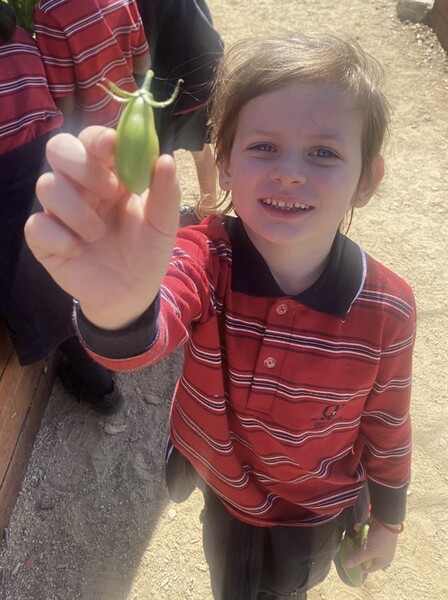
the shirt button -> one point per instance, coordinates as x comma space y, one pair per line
270, 362
281, 309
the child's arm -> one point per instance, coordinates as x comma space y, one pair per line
386, 427
104, 246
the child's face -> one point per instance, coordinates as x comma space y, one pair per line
295, 164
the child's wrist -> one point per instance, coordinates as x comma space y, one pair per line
396, 529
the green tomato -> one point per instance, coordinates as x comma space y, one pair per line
137, 145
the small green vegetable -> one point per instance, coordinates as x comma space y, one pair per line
348, 545
137, 145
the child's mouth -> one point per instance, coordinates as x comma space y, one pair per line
285, 206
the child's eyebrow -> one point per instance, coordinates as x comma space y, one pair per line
328, 136
258, 132
325, 136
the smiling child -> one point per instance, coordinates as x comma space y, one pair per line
292, 410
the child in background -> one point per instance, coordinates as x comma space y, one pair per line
28, 110
293, 405
84, 41
184, 45
36, 310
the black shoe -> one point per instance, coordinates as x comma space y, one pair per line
74, 383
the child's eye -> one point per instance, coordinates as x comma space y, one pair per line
323, 153
264, 147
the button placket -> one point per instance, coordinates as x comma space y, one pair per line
281, 309
269, 367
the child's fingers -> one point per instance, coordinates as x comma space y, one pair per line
63, 202
100, 142
47, 238
68, 155
372, 566
162, 208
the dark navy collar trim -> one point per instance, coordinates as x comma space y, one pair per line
333, 293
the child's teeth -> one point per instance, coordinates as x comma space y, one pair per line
285, 205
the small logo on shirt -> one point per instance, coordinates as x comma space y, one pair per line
328, 414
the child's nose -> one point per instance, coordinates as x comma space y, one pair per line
289, 170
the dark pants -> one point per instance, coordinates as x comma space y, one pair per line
264, 563
259, 563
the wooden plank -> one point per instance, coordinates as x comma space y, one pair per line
438, 21
441, 6
6, 348
17, 387
24, 444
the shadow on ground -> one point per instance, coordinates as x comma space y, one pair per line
99, 482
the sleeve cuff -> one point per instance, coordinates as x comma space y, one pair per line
388, 504
132, 340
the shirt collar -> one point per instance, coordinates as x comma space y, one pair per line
333, 293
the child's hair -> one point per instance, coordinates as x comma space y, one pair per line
252, 68
7, 22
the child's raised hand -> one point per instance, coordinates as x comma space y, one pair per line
106, 247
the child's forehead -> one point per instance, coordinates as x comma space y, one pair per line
319, 110
303, 96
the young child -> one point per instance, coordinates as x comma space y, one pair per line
83, 42
293, 404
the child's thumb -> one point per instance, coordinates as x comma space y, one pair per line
162, 207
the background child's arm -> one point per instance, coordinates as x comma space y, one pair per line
104, 246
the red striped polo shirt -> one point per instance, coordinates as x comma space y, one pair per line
84, 41
27, 108
286, 405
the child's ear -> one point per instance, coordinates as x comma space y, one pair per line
368, 185
224, 177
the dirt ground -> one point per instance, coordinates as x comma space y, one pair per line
93, 521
